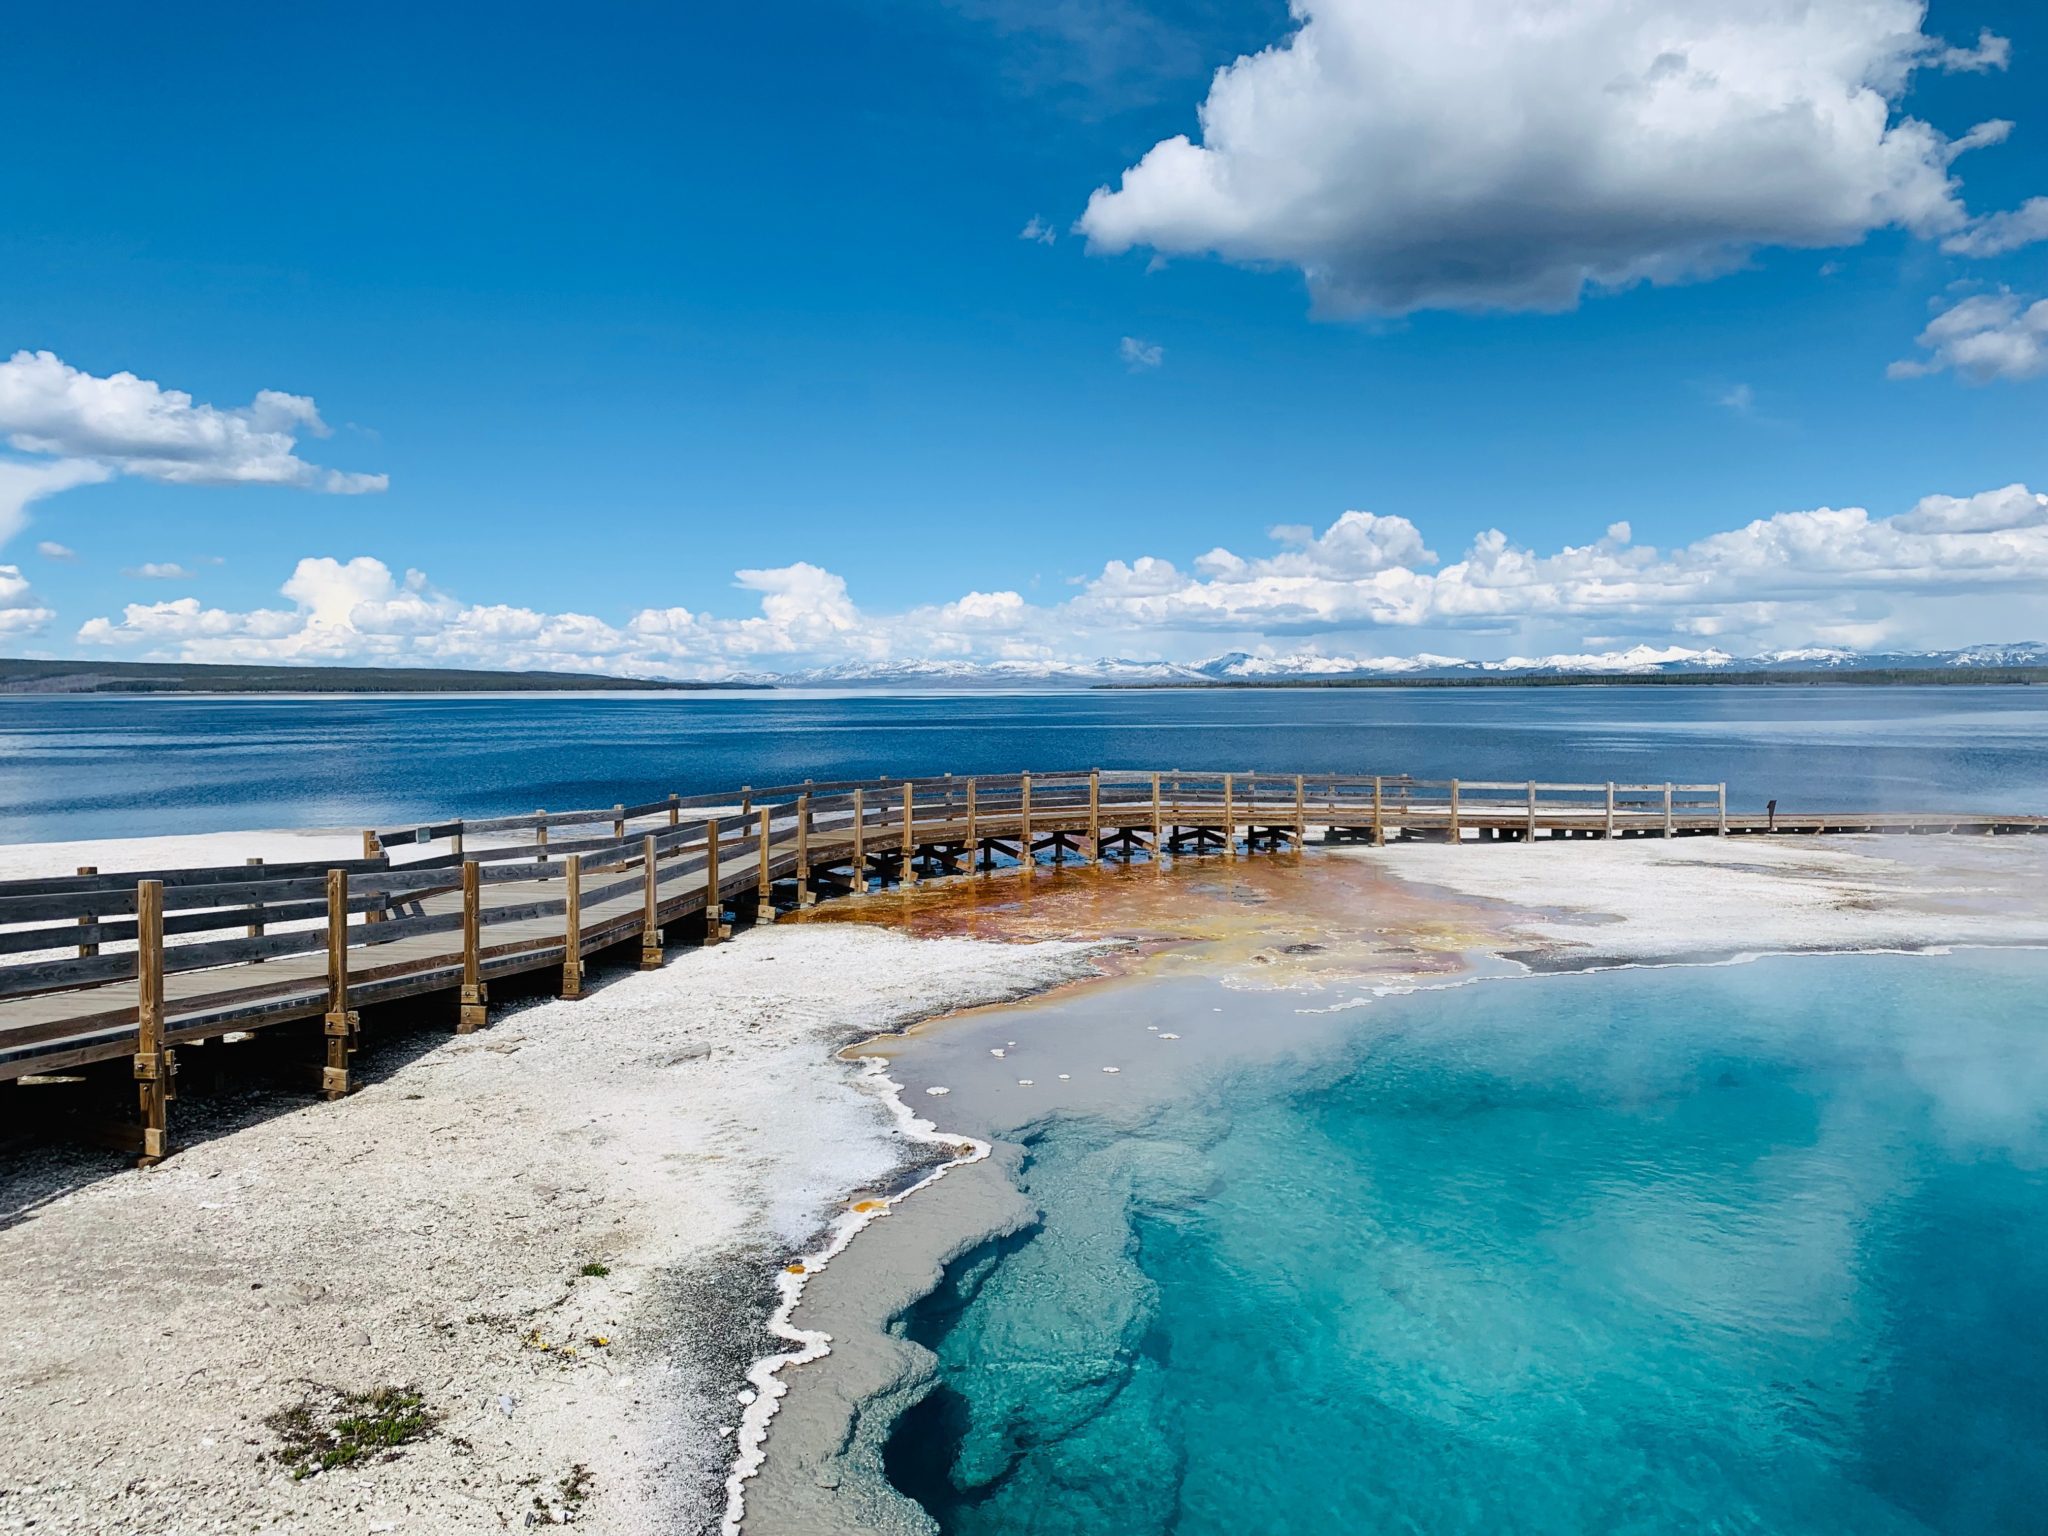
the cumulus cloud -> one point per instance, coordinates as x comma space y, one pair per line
1997, 233
20, 613
159, 570
1985, 337
1805, 569
1139, 355
1841, 575
88, 428
1477, 154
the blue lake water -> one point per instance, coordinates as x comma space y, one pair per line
83, 767
1746, 1249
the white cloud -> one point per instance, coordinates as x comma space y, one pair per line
23, 484
1038, 231
1997, 233
1985, 337
1139, 355
1741, 399
159, 570
1991, 52
50, 549
2012, 506
1476, 154
1800, 574
90, 428
20, 613
1835, 575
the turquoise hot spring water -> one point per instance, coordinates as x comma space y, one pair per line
1751, 1248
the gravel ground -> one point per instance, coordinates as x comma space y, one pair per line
685, 1131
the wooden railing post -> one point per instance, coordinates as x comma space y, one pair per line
764, 877
909, 834
714, 901
540, 841
341, 1022
1379, 823
804, 894
1095, 814
1158, 822
1609, 832
1667, 810
973, 841
675, 810
256, 907
1027, 858
1229, 820
618, 823
90, 947
455, 842
474, 998
572, 927
1457, 830
153, 1062
1300, 812
860, 843
650, 906
372, 849
1722, 815
1531, 836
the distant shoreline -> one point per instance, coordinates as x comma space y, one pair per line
48, 678
1881, 677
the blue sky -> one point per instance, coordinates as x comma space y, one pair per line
623, 302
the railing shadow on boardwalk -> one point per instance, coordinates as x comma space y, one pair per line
107, 971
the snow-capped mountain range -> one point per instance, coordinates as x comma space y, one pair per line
1242, 666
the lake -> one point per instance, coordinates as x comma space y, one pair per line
76, 767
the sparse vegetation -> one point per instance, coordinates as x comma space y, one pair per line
570, 1492
595, 1270
331, 1428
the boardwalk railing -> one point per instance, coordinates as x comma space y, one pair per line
96, 967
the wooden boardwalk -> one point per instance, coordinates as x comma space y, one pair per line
106, 967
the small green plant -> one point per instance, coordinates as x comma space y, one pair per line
595, 1270
570, 1492
332, 1429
